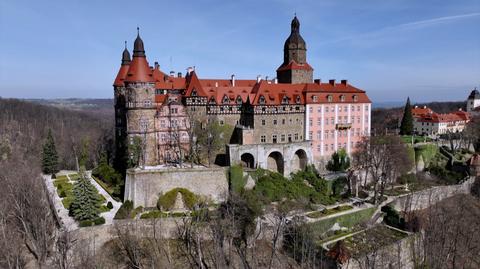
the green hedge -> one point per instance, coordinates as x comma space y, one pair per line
347, 220
167, 200
154, 214
126, 211
427, 152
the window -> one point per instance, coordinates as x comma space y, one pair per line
311, 109
326, 109
345, 108
282, 138
285, 100
355, 98
194, 92
296, 136
339, 109
319, 148
366, 108
262, 139
274, 138
342, 98
329, 98
331, 146
212, 100
319, 135
263, 122
319, 121
326, 147
315, 98
221, 122
358, 119
226, 100
173, 110
274, 122
283, 121
310, 122
358, 108
297, 100
289, 137
239, 100
262, 100
332, 119
310, 135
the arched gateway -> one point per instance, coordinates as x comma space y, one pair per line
248, 160
275, 162
299, 160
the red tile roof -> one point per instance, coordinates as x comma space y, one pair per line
139, 71
292, 65
122, 74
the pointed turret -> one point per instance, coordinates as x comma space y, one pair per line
126, 56
139, 70
295, 68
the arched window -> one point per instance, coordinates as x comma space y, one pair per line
342, 98
239, 100
297, 100
226, 100
329, 98
315, 98
285, 100
261, 100
355, 98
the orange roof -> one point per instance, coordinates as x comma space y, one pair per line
139, 70
450, 117
336, 91
417, 111
274, 94
295, 66
122, 74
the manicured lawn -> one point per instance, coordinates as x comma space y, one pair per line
347, 220
329, 211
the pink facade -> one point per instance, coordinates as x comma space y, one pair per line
332, 125
172, 126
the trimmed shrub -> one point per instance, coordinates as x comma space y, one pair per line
99, 221
167, 200
109, 205
85, 223
125, 210
154, 214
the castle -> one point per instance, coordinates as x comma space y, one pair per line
281, 124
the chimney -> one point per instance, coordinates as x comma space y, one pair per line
189, 70
332, 82
317, 81
344, 82
172, 74
216, 84
179, 74
157, 66
416, 106
259, 78
275, 80
424, 107
233, 80
266, 78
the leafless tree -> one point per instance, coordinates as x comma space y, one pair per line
63, 250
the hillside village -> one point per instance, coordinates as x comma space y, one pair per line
283, 172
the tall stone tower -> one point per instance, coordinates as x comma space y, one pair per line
135, 108
295, 68
473, 100
120, 161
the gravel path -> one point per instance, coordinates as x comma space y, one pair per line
67, 222
116, 205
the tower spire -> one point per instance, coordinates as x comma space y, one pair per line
126, 55
138, 49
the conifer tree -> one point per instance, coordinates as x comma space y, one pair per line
86, 200
339, 162
406, 127
49, 155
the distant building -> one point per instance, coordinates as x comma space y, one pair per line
427, 122
280, 124
473, 101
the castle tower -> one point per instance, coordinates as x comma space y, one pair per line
473, 100
295, 68
140, 104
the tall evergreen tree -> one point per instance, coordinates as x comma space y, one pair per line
85, 204
49, 155
406, 127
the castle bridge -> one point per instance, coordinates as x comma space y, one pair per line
282, 158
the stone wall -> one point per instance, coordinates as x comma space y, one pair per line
423, 199
143, 187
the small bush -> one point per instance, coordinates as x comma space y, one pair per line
99, 221
392, 217
237, 181
62, 194
154, 214
86, 223
124, 212
167, 200
109, 205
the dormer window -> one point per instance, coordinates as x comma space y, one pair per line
239, 100
212, 100
262, 100
194, 92
315, 98
285, 100
355, 98
329, 98
226, 100
342, 98
297, 100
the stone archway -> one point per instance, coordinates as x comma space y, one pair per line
247, 160
299, 160
275, 162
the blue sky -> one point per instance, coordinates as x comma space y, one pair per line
428, 50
